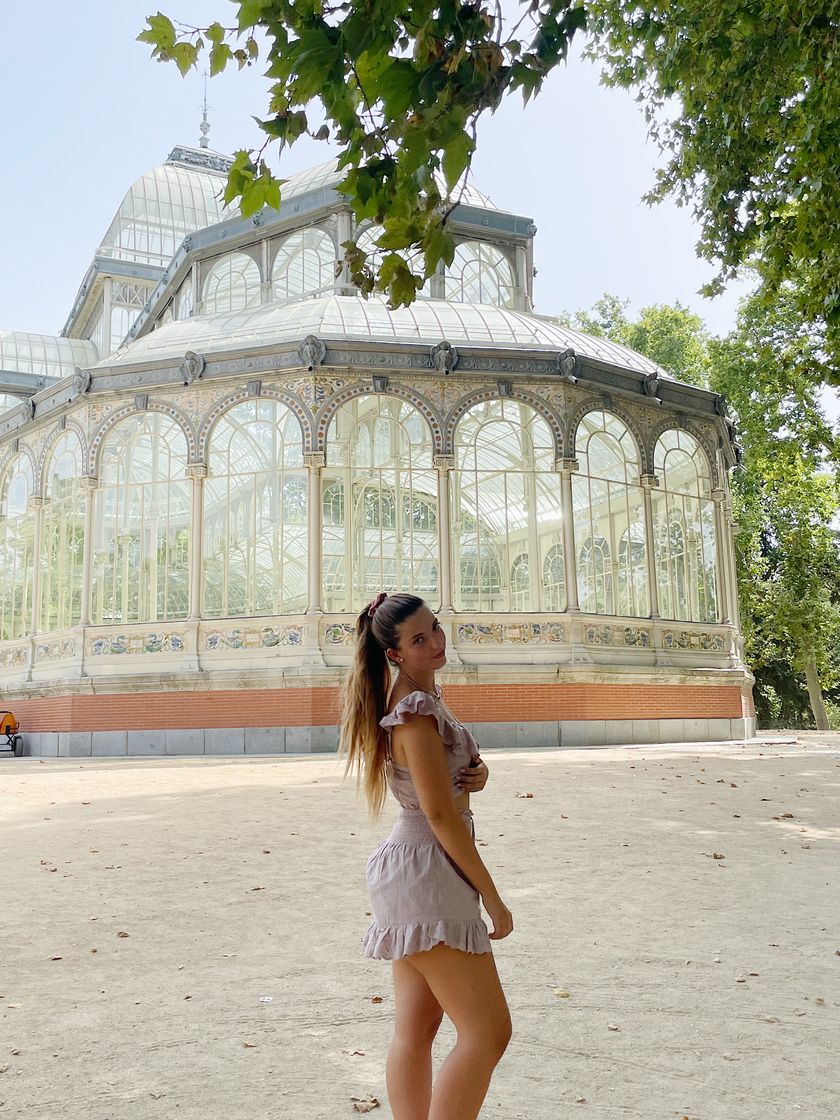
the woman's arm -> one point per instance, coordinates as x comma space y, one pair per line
426, 756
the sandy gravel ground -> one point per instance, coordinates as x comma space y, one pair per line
149, 905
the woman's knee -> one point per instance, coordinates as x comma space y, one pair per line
489, 1037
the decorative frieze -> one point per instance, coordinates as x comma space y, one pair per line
511, 633
245, 638
617, 636
61, 649
338, 633
15, 657
707, 640
107, 645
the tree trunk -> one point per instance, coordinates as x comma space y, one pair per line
815, 692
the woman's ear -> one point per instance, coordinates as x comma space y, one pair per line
393, 657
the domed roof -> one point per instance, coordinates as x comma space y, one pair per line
184, 194
355, 319
167, 203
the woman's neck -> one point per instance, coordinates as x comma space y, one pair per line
423, 681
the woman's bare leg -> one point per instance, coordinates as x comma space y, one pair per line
408, 1070
467, 987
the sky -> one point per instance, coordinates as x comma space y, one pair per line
86, 111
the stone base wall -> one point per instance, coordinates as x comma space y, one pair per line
570, 734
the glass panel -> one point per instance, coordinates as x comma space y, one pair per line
380, 504
142, 523
232, 284
62, 537
609, 519
684, 530
7, 401
17, 546
255, 513
480, 273
304, 266
184, 301
506, 508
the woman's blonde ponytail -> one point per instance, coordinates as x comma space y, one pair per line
365, 695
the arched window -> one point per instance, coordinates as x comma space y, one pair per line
255, 513
17, 543
684, 530
184, 301
62, 536
554, 579
366, 240
304, 265
505, 507
609, 519
520, 583
480, 273
231, 284
380, 503
141, 540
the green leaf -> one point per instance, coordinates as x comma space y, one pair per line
456, 158
220, 56
160, 32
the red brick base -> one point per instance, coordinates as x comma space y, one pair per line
319, 707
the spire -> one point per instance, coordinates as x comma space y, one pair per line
205, 124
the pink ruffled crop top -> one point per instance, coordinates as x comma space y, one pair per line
461, 747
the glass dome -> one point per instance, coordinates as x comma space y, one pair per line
44, 355
165, 204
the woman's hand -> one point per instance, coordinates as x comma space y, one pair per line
501, 918
473, 778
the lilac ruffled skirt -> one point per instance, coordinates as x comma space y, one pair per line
418, 894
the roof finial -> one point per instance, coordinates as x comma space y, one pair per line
205, 124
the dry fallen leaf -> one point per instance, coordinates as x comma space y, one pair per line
56, 958
364, 1104
122, 933
580, 1100
524, 795
377, 999
612, 1027
562, 993
249, 1045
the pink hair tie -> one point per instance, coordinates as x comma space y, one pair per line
380, 598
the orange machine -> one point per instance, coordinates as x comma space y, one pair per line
9, 727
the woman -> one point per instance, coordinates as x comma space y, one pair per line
426, 878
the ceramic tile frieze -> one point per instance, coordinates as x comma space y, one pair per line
511, 633
617, 636
253, 637
59, 650
107, 645
693, 639
338, 633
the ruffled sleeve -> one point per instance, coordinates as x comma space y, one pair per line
420, 704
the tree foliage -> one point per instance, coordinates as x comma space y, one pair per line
669, 334
401, 88
743, 100
786, 494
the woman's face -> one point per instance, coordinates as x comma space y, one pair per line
422, 643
